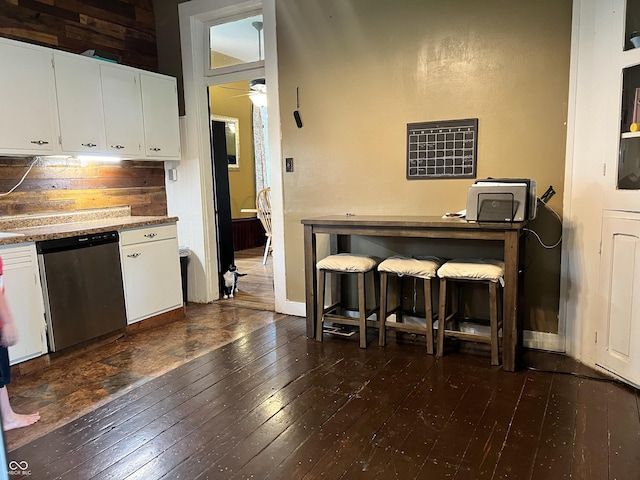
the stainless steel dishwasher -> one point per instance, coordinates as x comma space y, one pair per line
82, 283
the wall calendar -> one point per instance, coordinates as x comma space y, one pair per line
442, 149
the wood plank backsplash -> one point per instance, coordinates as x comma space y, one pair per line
64, 185
121, 27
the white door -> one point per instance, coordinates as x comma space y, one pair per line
618, 336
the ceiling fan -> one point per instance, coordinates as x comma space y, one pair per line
257, 92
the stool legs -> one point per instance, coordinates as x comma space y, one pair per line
320, 311
362, 308
493, 315
384, 279
428, 315
442, 311
382, 334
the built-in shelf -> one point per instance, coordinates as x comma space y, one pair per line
630, 135
632, 22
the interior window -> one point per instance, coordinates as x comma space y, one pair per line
236, 42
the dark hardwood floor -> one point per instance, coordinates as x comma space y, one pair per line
273, 404
77, 382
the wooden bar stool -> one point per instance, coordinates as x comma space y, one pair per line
346, 263
401, 266
487, 271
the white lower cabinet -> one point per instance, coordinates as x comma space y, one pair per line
150, 270
618, 335
24, 297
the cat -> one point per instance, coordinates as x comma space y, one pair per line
229, 282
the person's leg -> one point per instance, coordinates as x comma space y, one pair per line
11, 419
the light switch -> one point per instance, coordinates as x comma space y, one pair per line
288, 164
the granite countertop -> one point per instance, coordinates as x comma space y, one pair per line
34, 228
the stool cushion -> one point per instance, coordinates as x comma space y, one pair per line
486, 269
347, 262
420, 267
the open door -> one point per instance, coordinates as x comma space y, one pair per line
221, 194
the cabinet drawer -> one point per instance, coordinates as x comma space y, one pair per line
148, 234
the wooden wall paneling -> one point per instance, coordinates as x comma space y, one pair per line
56, 186
125, 28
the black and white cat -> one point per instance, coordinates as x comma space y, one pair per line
230, 281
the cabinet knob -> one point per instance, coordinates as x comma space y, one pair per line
134, 255
117, 146
40, 142
90, 145
150, 235
155, 149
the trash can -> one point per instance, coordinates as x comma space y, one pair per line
185, 253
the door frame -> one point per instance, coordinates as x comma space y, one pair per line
201, 228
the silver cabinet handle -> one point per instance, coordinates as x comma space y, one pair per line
150, 235
117, 146
40, 142
155, 149
90, 145
134, 255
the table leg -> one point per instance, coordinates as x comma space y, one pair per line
510, 332
310, 279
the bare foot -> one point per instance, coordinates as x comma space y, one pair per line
18, 420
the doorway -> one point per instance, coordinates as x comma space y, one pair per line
198, 227
240, 169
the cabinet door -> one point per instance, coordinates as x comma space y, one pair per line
122, 103
24, 297
160, 109
618, 338
79, 104
27, 89
152, 279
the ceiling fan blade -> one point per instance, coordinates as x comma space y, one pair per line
231, 88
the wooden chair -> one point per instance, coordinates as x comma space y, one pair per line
400, 266
346, 263
487, 271
263, 206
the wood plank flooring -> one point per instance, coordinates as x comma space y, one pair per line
275, 405
79, 382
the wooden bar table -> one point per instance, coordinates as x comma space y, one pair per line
422, 227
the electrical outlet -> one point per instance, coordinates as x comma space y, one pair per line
288, 164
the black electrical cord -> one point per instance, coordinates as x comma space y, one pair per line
579, 375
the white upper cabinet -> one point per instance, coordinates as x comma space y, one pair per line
27, 90
80, 110
122, 103
54, 102
160, 108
